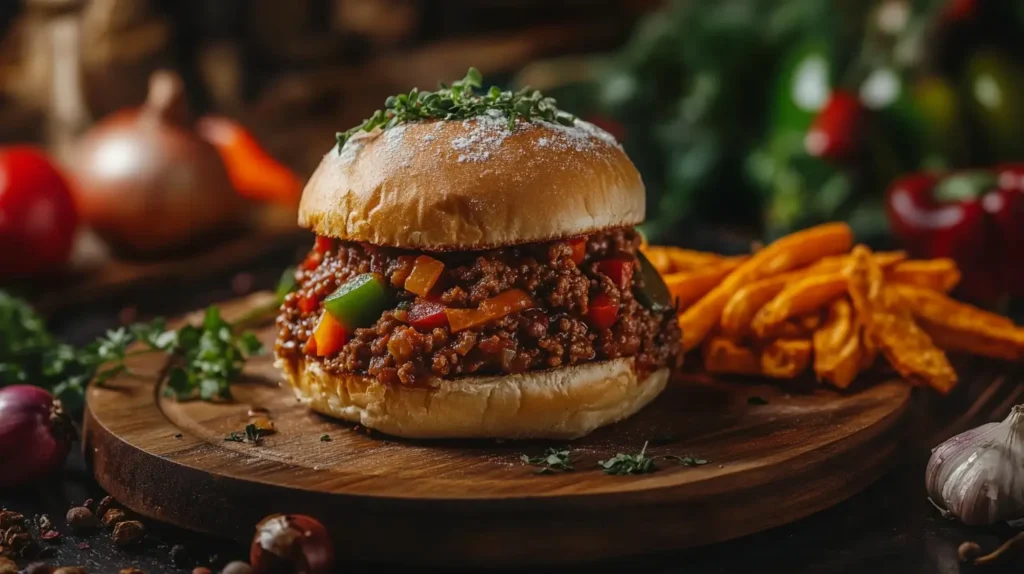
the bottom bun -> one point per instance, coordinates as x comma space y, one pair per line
558, 403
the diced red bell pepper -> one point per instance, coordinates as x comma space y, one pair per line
427, 315
618, 269
329, 334
502, 304
425, 272
307, 305
312, 261
602, 312
579, 249
835, 132
322, 245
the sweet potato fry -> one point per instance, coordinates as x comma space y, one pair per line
890, 325
744, 304
837, 349
788, 253
667, 259
798, 298
957, 326
690, 286
725, 356
785, 358
938, 308
792, 329
937, 274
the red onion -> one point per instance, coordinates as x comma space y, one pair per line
35, 434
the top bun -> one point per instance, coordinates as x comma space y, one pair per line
472, 184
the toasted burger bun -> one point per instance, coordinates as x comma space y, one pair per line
559, 403
473, 184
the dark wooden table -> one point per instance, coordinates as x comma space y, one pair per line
890, 527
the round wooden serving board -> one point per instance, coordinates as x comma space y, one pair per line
475, 502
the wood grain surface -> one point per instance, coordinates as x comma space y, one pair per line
474, 502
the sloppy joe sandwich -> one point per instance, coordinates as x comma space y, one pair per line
476, 273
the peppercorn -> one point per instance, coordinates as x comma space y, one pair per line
81, 518
9, 518
237, 567
7, 566
70, 570
131, 570
113, 516
39, 568
128, 532
106, 503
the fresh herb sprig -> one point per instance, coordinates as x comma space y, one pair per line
686, 460
206, 358
622, 464
460, 102
553, 460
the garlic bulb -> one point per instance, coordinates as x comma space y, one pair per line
978, 475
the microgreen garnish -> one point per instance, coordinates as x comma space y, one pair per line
235, 437
460, 102
211, 357
756, 400
686, 460
629, 463
553, 460
325, 438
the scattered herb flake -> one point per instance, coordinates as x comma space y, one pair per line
553, 460
325, 438
686, 460
756, 400
178, 436
460, 102
235, 437
622, 464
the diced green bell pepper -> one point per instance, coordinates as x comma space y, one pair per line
359, 301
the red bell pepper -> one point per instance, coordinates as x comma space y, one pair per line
323, 245
307, 304
835, 132
975, 218
618, 269
602, 312
427, 315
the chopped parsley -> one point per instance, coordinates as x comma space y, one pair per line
553, 460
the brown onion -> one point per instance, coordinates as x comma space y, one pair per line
291, 543
146, 182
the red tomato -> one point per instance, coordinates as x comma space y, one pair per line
37, 215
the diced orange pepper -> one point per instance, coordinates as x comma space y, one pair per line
329, 334
579, 249
511, 301
425, 272
310, 347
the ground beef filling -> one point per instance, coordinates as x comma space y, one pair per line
554, 334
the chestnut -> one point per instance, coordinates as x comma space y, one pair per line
291, 544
